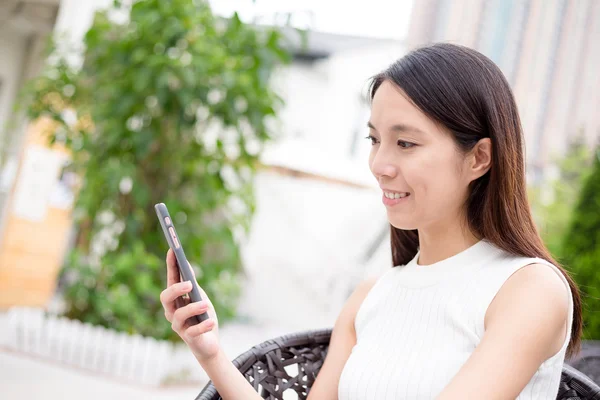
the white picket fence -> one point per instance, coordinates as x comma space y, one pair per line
133, 358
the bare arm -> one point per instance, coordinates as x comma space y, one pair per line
343, 339
228, 380
202, 338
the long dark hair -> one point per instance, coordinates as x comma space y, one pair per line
467, 93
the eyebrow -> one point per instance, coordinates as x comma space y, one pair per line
399, 128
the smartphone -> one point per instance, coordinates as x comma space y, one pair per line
185, 271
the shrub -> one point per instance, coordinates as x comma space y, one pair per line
169, 106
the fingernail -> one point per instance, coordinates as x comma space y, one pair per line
188, 285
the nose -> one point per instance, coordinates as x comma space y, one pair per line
383, 166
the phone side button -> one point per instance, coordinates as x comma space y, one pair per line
174, 237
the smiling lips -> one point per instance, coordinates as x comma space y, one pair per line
395, 195
393, 198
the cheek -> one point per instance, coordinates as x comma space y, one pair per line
433, 177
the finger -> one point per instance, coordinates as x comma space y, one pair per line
181, 315
205, 296
197, 330
172, 269
170, 294
202, 292
211, 307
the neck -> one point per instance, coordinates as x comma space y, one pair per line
437, 245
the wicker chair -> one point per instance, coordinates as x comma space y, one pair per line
292, 362
588, 360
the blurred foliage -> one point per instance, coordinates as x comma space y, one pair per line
172, 104
553, 203
581, 248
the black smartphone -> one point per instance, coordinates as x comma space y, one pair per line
185, 271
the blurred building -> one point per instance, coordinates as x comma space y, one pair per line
548, 51
326, 110
24, 27
30, 249
24, 24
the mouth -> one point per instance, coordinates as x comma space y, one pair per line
395, 195
392, 198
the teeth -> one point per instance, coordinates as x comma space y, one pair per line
390, 195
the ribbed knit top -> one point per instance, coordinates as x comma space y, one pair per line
420, 323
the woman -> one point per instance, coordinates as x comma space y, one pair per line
475, 307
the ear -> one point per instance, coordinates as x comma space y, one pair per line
480, 158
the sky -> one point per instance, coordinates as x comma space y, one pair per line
373, 18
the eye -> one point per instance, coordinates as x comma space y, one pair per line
405, 145
372, 139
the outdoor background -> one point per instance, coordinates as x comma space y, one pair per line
247, 118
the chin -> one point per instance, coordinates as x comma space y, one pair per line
402, 225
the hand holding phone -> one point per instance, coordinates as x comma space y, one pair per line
194, 319
183, 265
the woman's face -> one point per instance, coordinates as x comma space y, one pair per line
413, 154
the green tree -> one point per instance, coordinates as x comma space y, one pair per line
171, 106
581, 249
553, 202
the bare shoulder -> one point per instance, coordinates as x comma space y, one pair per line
535, 289
343, 339
353, 303
531, 282
364, 287
537, 279
360, 293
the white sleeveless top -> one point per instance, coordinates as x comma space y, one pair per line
420, 323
